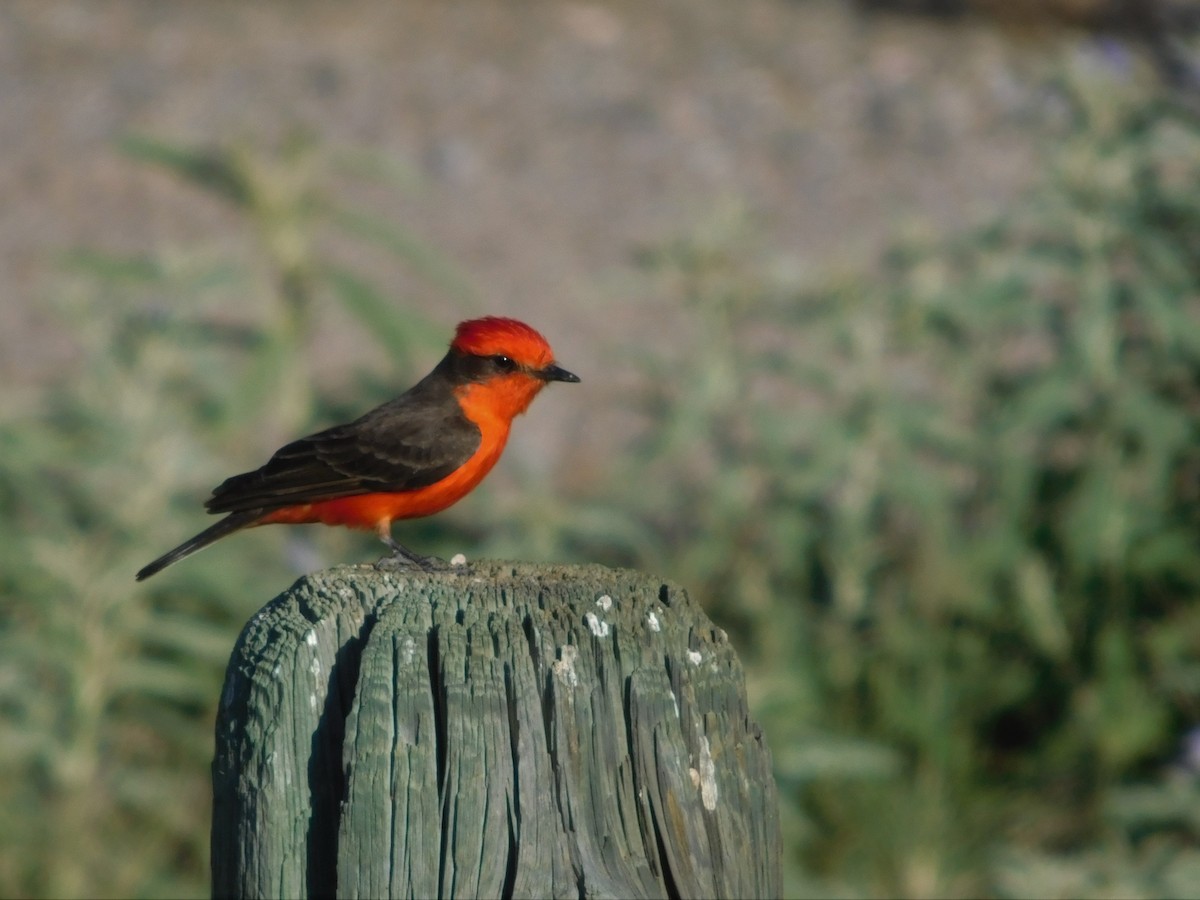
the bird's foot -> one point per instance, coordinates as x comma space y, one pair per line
412, 561
403, 558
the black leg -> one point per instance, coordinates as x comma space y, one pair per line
402, 557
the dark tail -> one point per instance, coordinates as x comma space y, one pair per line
228, 525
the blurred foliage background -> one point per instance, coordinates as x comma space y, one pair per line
945, 497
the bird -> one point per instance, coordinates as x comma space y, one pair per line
411, 457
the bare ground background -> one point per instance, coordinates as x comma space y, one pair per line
548, 140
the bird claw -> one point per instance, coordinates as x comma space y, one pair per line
406, 559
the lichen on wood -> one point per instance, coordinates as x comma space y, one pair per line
504, 730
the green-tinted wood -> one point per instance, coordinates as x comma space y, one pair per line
502, 730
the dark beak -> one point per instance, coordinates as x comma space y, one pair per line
554, 373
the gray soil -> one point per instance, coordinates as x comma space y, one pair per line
548, 140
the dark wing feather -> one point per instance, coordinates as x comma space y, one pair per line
411, 442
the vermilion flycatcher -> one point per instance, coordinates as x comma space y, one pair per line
411, 457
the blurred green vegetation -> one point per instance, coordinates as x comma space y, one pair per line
183, 362
947, 504
951, 506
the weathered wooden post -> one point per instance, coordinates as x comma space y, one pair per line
504, 730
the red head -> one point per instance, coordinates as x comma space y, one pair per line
524, 362
498, 336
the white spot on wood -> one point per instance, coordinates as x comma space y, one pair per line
315, 667
708, 776
407, 652
564, 667
312, 701
458, 559
598, 626
694, 657
311, 638
604, 602
652, 621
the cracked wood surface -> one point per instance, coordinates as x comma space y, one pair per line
506, 730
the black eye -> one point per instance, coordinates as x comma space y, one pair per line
503, 363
